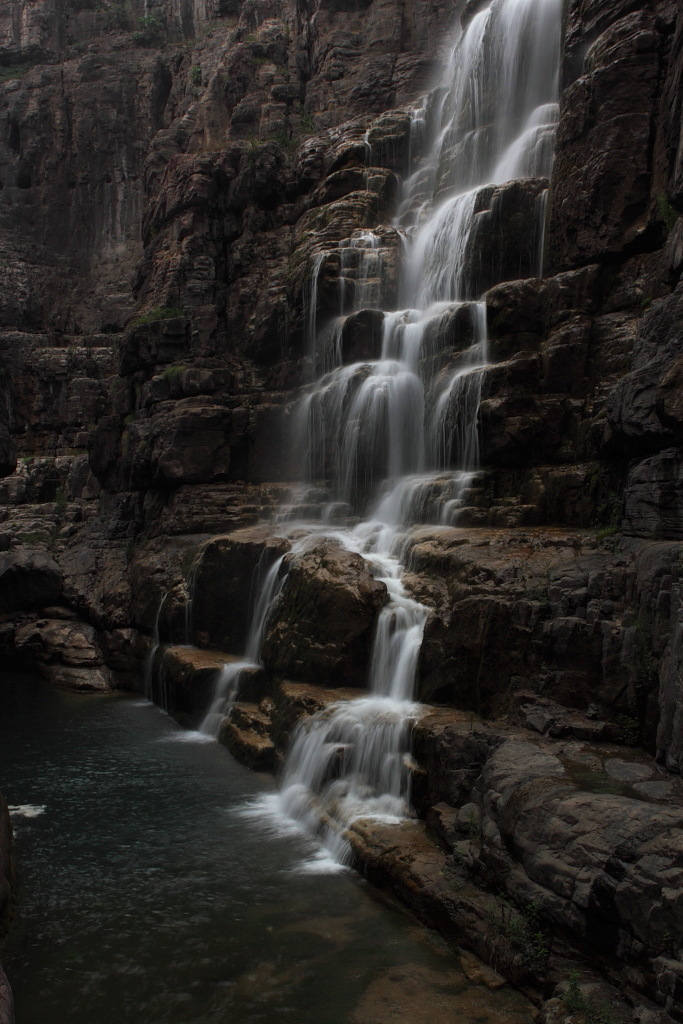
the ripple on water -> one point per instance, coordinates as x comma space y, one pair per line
161, 885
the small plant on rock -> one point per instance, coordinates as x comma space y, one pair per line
152, 316
119, 16
150, 30
585, 1010
667, 212
173, 373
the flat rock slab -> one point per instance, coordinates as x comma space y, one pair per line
311, 698
194, 659
184, 679
404, 859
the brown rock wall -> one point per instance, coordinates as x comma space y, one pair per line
222, 170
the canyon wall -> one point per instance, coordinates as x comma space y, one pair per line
169, 176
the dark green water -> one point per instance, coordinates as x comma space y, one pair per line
145, 897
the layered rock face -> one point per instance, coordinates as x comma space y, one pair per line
182, 189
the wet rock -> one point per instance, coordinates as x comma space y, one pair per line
361, 338
66, 653
503, 245
184, 680
520, 313
321, 627
246, 734
228, 573
654, 497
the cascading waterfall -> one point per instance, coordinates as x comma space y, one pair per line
152, 654
394, 439
227, 685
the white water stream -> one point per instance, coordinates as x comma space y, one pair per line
396, 438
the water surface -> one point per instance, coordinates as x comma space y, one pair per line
145, 895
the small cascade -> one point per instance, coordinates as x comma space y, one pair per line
226, 690
541, 208
224, 696
432, 497
452, 429
156, 670
360, 272
150, 660
311, 302
266, 594
156, 674
350, 760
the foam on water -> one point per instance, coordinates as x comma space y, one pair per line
187, 736
27, 810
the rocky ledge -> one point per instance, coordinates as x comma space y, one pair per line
548, 840
236, 152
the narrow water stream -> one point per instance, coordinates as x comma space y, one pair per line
146, 896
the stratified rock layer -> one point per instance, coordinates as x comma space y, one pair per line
217, 159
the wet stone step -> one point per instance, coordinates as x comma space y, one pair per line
185, 678
248, 745
251, 717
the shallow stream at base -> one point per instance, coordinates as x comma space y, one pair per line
146, 895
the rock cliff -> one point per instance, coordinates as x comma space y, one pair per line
178, 185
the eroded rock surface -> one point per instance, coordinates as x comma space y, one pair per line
219, 159
321, 628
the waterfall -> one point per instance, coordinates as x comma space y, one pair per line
268, 586
152, 653
396, 439
391, 442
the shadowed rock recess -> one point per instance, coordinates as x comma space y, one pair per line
205, 209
